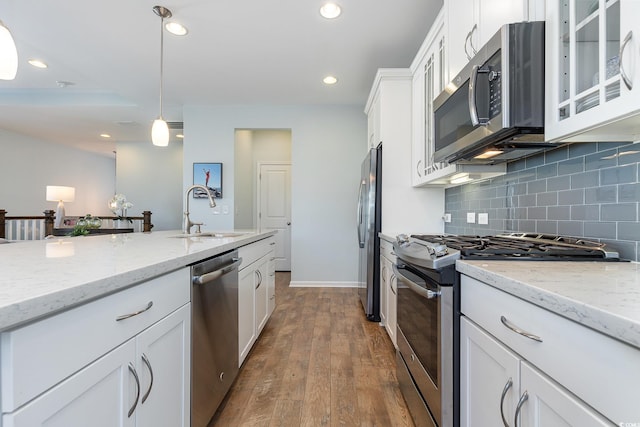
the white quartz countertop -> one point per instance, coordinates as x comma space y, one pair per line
604, 296
42, 277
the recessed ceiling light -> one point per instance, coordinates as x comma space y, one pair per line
330, 10
105, 135
37, 63
176, 28
330, 80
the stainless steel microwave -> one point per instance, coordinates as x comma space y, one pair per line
493, 110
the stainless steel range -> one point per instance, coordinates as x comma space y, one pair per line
428, 312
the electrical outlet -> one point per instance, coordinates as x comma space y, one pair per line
483, 218
225, 209
447, 217
471, 217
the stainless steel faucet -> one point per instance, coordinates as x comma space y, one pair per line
187, 223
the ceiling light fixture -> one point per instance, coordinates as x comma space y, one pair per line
488, 154
8, 54
105, 135
176, 29
330, 10
160, 129
330, 80
37, 63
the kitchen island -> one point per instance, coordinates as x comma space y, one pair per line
42, 277
97, 330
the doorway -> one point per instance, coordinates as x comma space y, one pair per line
264, 204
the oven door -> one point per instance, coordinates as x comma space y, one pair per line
425, 338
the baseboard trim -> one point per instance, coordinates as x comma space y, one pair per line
310, 284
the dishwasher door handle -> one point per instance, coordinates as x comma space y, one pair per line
210, 277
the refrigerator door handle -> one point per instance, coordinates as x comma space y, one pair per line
359, 215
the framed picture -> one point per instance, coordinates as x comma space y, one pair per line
209, 175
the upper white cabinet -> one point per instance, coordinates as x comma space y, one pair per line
473, 22
429, 77
592, 70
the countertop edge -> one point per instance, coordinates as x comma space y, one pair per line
603, 321
33, 309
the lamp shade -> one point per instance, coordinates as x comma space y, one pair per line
8, 54
160, 133
56, 193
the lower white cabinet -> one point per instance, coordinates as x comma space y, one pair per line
143, 381
256, 293
388, 291
519, 360
497, 386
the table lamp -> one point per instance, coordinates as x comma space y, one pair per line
56, 193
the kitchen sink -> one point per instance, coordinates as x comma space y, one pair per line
211, 234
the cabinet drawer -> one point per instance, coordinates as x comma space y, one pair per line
38, 356
386, 250
598, 369
253, 252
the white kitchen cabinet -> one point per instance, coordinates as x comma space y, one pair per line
256, 292
494, 379
84, 367
429, 77
471, 23
592, 70
571, 374
388, 288
403, 206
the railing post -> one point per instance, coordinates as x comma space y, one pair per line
3, 213
146, 222
48, 222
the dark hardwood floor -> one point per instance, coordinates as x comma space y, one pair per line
318, 362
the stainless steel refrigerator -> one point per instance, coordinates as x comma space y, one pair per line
369, 225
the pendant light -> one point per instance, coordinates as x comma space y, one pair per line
8, 54
160, 129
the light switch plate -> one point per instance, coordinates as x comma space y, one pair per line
447, 217
483, 218
471, 217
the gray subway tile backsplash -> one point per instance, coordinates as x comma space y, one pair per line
589, 190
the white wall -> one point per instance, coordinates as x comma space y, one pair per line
28, 165
151, 178
327, 150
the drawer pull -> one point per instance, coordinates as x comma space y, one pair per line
523, 399
506, 388
145, 359
126, 316
625, 78
132, 369
517, 330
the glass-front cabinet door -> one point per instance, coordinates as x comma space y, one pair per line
592, 70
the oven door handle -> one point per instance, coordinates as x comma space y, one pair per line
426, 293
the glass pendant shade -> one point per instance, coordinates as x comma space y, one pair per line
8, 54
160, 133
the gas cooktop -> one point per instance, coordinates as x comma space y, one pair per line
436, 251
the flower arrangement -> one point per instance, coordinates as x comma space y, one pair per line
119, 205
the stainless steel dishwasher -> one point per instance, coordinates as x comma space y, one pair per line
214, 333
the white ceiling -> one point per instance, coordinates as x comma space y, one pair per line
236, 52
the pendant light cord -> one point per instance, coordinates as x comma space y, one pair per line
161, 59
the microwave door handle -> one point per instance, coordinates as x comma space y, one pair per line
473, 110
425, 293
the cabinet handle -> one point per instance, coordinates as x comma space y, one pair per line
418, 168
506, 388
466, 40
473, 30
517, 330
215, 275
523, 399
393, 276
625, 78
132, 369
259, 278
145, 359
126, 316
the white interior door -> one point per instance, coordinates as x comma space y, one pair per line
274, 208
